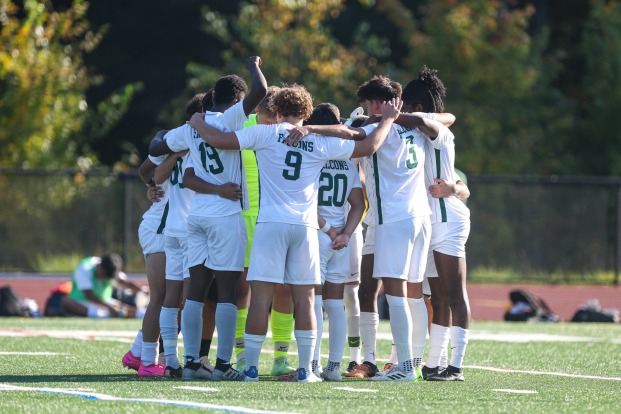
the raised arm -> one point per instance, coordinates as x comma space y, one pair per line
145, 171
162, 172
340, 131
427, 126
258, 86
213, 136
368, 146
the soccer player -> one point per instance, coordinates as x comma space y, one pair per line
339, 188
281, 316
91, 291
285, 248
216, 230
402, 222
450, 218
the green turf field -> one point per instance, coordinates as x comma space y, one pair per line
521, 368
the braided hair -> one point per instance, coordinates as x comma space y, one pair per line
428, 91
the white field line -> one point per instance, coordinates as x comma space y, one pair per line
205, 389
516, 391
104, 397
351, 389
558, 374
33, 353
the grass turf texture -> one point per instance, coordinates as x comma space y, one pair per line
94, 366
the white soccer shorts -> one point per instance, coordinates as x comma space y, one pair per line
334, 264
447, 238
150, 241
355, 255
217, 242
369, 240
176, 258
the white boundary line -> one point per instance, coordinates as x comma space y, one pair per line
558, 374
105, 397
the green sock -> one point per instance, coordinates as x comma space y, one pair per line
282, 328
240, 327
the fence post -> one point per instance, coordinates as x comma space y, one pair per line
618, 239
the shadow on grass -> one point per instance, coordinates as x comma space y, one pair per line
27, 379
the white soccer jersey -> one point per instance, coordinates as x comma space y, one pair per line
399, 181
440, 163
154, 218
213, 165
289, 176
179, 200
336, 181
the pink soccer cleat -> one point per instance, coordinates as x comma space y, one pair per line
130, 361
153, 370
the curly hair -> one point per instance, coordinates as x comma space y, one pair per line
294, 101
324, 114
428, 91
195, 104
229, 89
379, 88
264, 109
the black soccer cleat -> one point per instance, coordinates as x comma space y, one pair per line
451, 373
171, 372
429, 372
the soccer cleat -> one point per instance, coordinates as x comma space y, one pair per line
427, 372
251, 374
365, 370
153, 370
317, 371
281, 367
241, 364
418, 373
304, 376
195, 370
171, 372
395, 374
206, 363
350, 367
451, 373
130, 361
333, 375
230, 374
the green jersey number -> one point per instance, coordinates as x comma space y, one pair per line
332, 190
293, 160
210, 158
411, 162
177, 172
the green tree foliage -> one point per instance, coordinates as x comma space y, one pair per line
295, 45
46, 121
597, 141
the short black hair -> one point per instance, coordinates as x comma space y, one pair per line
324, 114
229, 89
358, 120
379, 88
195, 104
207, 101
428, 91
111, 264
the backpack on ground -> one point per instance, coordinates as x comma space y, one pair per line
526, 306
11, 304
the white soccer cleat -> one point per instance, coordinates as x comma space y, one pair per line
395, 374
333, 375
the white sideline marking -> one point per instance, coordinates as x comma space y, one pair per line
206, 389
354, 389
33, 353
104, 397
558, 374
518, 391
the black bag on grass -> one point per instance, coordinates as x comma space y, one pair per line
526, 306
11, 304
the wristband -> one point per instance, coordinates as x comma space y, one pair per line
326, 227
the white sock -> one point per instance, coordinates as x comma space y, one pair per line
253, 343
369, 321
401, 326
94, 311
459, 341
418, 312
352, 311
444, 357
149, 352
306, 345
392, 359
168, 331
192, 329
338, 326
438, 341
226, 320
319, 317
137, 345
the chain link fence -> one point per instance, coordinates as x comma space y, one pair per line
524, 228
